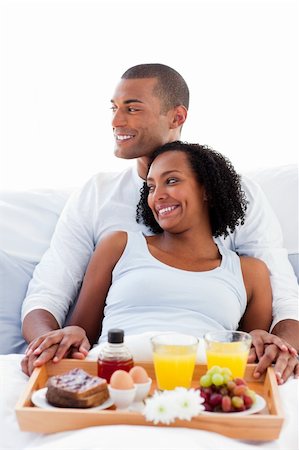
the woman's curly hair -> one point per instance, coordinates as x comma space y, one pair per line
226, 200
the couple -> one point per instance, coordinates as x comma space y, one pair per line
149, 109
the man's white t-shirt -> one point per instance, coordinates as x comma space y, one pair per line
108, 203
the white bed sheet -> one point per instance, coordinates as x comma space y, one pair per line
122, 437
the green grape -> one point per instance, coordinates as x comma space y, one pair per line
205, 380
217, 379
226, 378
214, 369
237, 402
226, 371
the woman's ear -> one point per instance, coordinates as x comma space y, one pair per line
179, 116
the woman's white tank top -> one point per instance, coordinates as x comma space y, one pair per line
147, 294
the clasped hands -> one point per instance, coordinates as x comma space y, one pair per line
72, 342
67, 342
268, 349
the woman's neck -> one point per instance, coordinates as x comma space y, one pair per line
185, 252
185, 243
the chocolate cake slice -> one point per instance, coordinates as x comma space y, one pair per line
76, 389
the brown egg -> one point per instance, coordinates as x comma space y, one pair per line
139, 375
120, 379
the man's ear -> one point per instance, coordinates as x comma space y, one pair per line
179, 116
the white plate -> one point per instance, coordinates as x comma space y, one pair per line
259, 404
39, 399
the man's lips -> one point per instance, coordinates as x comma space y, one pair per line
123, 136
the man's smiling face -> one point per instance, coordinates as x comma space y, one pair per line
139, 127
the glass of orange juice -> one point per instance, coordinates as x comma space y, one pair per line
228, 349
174, 356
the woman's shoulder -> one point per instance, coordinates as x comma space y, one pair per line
253, 266
118, 239
114, 238
112, 245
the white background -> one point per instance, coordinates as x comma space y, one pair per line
60, 61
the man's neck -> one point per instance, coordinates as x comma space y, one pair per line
142, 167
142, 163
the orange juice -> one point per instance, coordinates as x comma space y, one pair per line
228, 354
174, 366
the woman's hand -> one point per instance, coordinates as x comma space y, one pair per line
268, 349
70, 339
69, 342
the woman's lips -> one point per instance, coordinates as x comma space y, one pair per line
164, 210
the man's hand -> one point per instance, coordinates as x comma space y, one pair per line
67, 342
267, 349
31, 361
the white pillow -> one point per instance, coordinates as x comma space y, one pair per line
27, 221
15, 275
280, 185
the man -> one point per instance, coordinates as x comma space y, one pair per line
149, 107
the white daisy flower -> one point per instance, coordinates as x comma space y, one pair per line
188, 403
159, 408
167, 406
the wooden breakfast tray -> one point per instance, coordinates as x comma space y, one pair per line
265, 425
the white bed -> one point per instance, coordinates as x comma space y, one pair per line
27, 220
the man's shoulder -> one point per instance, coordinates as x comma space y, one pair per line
106, 189
249, 184
253, 192
108, 182
113, 176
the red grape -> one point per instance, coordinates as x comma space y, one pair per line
215, 399
230, 396
226, 403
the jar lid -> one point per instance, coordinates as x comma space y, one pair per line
116, 336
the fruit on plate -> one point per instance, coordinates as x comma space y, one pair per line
222, 393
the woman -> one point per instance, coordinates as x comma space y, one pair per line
180, 278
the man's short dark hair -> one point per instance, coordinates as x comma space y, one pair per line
171, 87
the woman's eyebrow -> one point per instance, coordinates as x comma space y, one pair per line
167, 172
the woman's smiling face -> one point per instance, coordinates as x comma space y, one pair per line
175, 196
